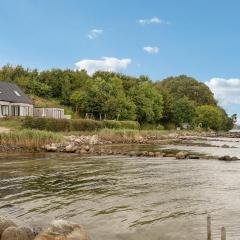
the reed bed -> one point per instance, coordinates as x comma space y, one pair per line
29, 138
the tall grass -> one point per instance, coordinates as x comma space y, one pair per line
128, 135
29, 138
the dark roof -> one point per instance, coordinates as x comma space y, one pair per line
10, 92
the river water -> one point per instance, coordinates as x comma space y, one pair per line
119, 197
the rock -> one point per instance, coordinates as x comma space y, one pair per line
15, 233
30, 234
4, 224
132, 153
63, 230
71, 148
225, 158
235, 159
51, 148
144, 153
181, 155
86, 148
225, 146
93, 140
157, 154
151, 154
193, 157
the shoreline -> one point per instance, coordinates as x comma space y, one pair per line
93, 145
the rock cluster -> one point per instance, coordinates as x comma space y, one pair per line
75, 144
228, 158
63, 230
57, 230
10, 231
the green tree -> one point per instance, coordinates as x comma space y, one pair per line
209, 117
183, 111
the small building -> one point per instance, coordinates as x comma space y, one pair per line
13, 101
57, 113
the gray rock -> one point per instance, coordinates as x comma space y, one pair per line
234, 158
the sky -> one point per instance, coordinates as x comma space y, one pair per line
158, 38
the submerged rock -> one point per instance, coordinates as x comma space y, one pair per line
193, 157
63, 230
225, 158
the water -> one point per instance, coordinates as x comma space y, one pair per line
118, 197
215, 147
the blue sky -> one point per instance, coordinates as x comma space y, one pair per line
156, 38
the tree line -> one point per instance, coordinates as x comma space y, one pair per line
172, 102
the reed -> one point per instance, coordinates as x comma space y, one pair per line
29, 138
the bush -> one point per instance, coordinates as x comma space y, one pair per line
63, 125
85, 125
112, 124
49, 124
149, 126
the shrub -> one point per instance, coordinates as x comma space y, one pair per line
63, 125
85, 125
49, 124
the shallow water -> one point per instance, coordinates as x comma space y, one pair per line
215, 147
117, 197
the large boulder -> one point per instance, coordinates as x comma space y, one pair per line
17, 233
63, 230
4, 224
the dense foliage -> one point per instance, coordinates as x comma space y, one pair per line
173, 102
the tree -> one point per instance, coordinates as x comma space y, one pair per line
183, 111
184, 86
148, 101
209, 117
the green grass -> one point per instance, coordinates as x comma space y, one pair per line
11, 123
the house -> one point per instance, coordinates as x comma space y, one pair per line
57, 113
13, 101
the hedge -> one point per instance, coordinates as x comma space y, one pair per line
63, 125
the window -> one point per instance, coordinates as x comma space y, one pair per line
5, 110
17, 93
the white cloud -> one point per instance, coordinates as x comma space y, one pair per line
110, 64
154, 20
94, 33
151, 50
227, 91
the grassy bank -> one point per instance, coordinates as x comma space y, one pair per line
29, 138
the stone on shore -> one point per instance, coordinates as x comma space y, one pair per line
51, 148
63, 230
181, 155
4, 224
17, 233
71, 148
